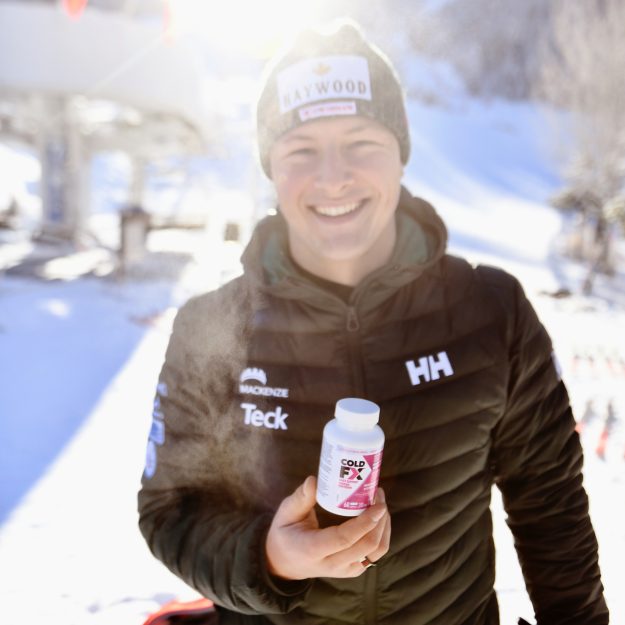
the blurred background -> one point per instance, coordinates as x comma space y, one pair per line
129, 182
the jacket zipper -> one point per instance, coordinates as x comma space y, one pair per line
353, 345
353, 324
370, 578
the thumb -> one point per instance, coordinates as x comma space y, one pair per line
297, 506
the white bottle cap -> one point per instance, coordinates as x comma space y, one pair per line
354, 413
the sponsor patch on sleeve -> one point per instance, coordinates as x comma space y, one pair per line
150, 460
157, 432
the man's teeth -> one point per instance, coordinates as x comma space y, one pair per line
335, 211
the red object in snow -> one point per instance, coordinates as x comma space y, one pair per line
74, 8
200, 611
603, 441
170, 27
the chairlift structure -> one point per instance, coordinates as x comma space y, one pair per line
105, 77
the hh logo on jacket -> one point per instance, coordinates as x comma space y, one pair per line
429, 368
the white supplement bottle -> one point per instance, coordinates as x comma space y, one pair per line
351, 455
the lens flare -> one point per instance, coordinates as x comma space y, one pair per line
243, 26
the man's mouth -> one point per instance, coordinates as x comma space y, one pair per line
337, 211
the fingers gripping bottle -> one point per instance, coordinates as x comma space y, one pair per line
351, 455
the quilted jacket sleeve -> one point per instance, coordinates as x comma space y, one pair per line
538, 464
199, 527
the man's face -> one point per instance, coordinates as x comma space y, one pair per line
338, 183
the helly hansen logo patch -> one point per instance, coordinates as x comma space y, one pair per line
429, 368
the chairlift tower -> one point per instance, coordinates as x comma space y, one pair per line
102, 78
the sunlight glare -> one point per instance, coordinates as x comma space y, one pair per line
245, 26
57, 307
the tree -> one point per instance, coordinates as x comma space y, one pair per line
582, 74
493, 45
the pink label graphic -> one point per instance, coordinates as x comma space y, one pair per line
358, 481
329, 109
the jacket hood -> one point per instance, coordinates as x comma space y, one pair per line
421, 243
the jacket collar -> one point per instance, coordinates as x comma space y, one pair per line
421, 243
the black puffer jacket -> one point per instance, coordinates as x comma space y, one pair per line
469, 397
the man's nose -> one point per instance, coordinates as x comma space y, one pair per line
334, 172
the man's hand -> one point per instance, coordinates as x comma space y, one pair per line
297, 548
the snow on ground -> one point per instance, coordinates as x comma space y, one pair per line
79, 360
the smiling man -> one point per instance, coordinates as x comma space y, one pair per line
348, 291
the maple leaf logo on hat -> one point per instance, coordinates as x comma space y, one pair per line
321, 69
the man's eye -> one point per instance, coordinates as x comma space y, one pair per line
363, 144
302, 152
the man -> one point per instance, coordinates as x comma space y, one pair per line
348, 291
